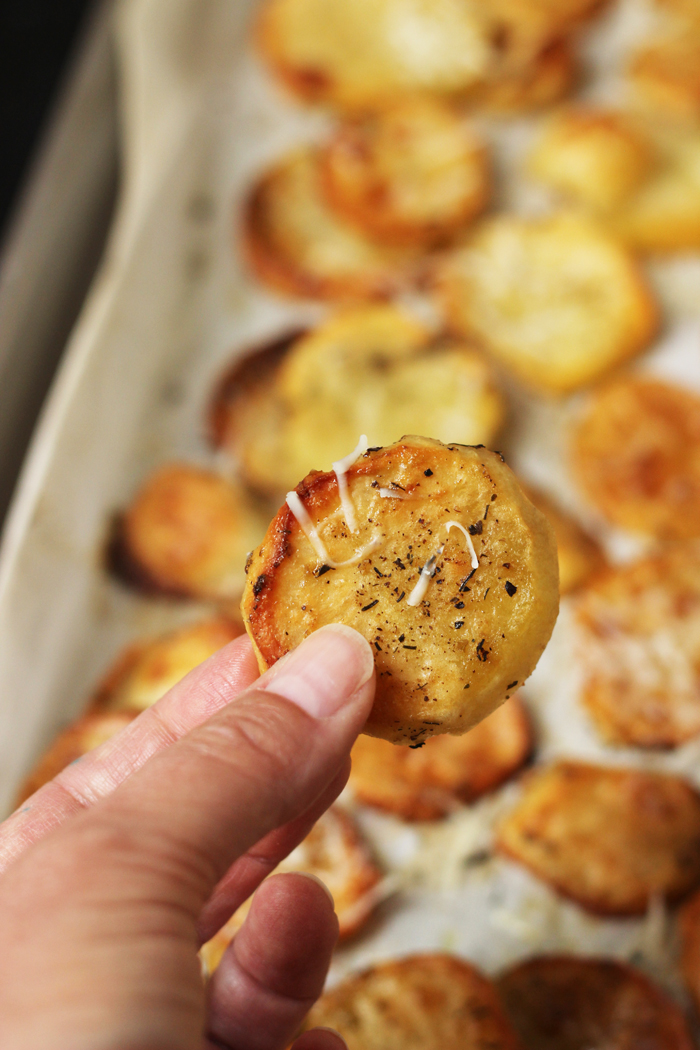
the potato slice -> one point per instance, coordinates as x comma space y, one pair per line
148, 669
579, 555
413, 173
547, 78
421, 1002
83, 735
610, 839
526, 28
373, 370
449, 649
361, 55
636, 455
640, 639
429, 783
298, 245
556, 299
560, 1002
335, 852
187, 534
594, 156
689, 926
666, 74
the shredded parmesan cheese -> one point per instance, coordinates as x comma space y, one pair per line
428, 571
310, 531
341, 467
392, 494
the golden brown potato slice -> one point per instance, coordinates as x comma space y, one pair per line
579, 555
186, 533
428, 783
335, 852
556, 299
560, 1002
549, 77
595, 156
666, 74
147, 670
421, 1002
81, 736
610, 839
526, 28
689, 924
640, 636
455, 630
413, 173
373, 370
636, 454
297, 244
361, 55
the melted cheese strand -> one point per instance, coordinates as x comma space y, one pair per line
341, 467
428, 571
456, 525
310, 531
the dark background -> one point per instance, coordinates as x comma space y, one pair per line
36, 42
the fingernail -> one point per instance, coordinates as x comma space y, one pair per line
324, 671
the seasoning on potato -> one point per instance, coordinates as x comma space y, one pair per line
558, 300
609, 839
436, 556
430, 782
636, 455
639, 627
421, 1002
561, 1002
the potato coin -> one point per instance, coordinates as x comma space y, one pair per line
666, 74
640, 644
636, 455
434, 554
422, 1002
556, 299
610, 839
560, 1002
579, 554
431, 782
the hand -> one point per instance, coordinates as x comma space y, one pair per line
118, 870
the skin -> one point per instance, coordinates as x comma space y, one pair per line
114, 873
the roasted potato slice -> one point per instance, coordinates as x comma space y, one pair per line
147, 670
640, 636
76, 740
524, 29
561, 1002
448, 652
556, 299
362, 55
666, 74
335, 852
610, 839
413, 173
297, 244
421, 1002
636, 455
186, 534
373, 370
429, 783
579, 555
689, 925
597, 157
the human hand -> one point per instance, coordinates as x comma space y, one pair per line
118, 870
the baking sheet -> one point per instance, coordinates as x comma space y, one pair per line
171, 306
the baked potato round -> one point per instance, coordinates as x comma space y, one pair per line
580, 557
431, 782
421, 1002
636, 455
610, 839
561, 1002
447, 569
557, 299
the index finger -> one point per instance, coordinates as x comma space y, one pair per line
199, 695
